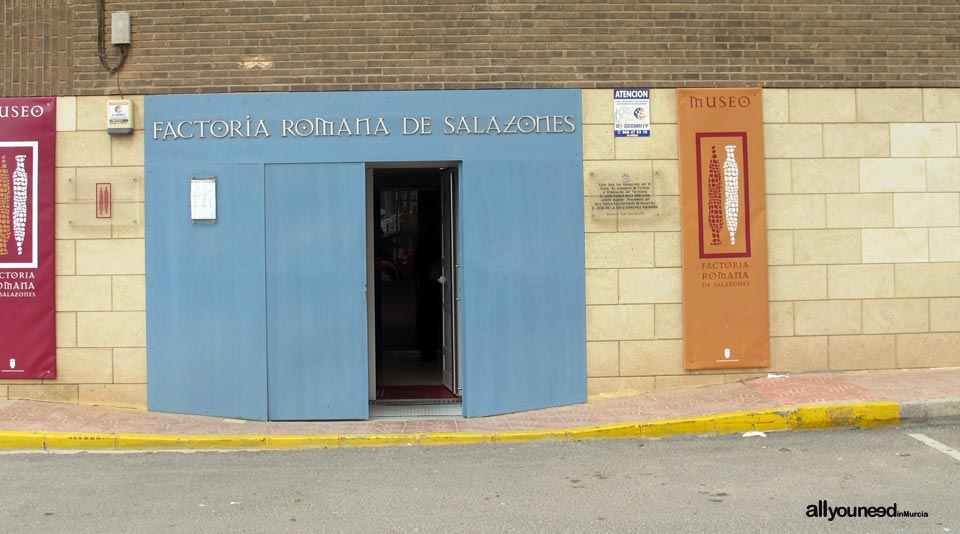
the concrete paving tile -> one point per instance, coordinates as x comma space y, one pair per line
420, 426
483, 424
537, 424
912, 384
803, 389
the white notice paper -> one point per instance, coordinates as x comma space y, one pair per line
203, 200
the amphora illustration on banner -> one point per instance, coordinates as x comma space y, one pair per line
724, 208
5, 203
17, 206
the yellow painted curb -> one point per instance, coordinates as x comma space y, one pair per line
151, 442
849, 415
378, 440
317, 441
520, 436
455, 438
21, 440
79, 440
803, 417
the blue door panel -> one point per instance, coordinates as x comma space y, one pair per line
205, 294
522, 285
316, 291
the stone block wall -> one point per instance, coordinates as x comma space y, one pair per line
101, 290
863, 217
863, 228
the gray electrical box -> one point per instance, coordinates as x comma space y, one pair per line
120, 29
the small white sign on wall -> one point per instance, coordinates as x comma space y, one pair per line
203, 198
631, 112
119, 117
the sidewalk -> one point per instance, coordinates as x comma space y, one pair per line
793, 402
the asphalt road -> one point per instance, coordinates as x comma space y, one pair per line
690, 484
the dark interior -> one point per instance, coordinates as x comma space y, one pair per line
408, 252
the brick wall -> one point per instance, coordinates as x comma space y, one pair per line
863, 217
36, 48
298, 45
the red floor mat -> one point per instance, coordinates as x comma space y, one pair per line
414, 392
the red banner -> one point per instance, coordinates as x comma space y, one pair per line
28, 133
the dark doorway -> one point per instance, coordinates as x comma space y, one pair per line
414, 280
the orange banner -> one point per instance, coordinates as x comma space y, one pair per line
724, 229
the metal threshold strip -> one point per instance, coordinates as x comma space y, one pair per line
392, 409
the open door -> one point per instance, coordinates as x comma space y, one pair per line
413, 225
449, 343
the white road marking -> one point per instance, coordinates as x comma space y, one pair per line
936, 445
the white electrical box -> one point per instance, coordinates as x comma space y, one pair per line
119, 117
120, 29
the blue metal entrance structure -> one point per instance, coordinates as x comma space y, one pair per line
262, 313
